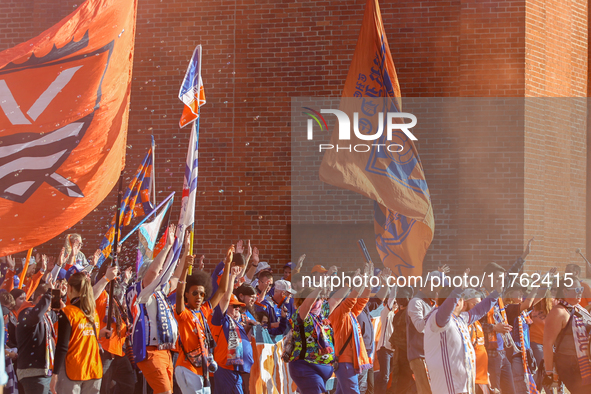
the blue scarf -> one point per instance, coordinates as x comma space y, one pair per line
358, 344
167, 326
235, 353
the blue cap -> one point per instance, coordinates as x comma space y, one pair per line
71, 271
62, 274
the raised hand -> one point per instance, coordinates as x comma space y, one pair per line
189, 261
331, 270
95, 257
248, 250
170, 236
44, 262
112, 272
255, 256
240, 247
235, 271
187, 241
126, 275
230, 254
11, 263
201, 264
62, 258
443, 268
300, 263
527, 249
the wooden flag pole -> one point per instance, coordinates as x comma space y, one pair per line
22, 278
114, 251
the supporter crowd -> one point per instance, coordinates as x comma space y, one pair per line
190, 331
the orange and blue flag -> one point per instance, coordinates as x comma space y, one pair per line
395, 180
135, 203
192, 93
64, 105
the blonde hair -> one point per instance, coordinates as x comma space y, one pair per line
70, 238
81, 284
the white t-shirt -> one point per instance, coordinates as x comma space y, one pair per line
386, 317
445, 356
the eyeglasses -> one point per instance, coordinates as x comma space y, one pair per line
577, 290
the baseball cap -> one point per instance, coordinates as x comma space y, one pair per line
234, 301
319, 268
287, 265
263, 265
71, 271
283, 285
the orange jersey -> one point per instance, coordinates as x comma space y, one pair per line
477, 337
113, 345
191, 327
83, 360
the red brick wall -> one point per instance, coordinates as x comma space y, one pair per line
259, 54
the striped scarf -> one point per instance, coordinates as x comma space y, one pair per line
49, 344
361, 358
496, 315
470, 359
235, 354
581, 338
528, 377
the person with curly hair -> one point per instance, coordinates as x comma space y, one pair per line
192, 312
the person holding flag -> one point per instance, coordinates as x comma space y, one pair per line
192, 313
154, 329
233, 352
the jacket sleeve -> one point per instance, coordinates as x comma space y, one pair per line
64, 330
30, 317
416, 313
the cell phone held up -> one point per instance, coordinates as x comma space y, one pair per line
56, 298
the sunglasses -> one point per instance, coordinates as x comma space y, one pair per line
577, 290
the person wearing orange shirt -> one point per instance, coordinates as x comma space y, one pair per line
195, 338
349, 347
78, 367
233, 351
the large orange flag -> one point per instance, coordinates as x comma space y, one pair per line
389, 171
64, 103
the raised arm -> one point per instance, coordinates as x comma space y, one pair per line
221, 290
182, 283
225, 300
308, 302
156, 266
255, 262
444, 312
181, 264
481, 309
100, 285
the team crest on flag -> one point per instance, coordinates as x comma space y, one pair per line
64, 98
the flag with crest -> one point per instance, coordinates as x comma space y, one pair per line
392, 177
64, 105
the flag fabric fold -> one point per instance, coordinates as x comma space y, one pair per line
403, 215
64, 104
139, 188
